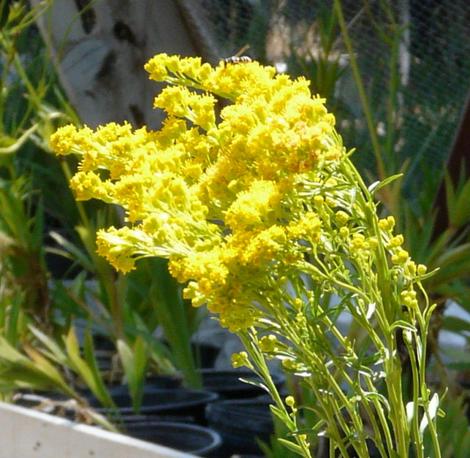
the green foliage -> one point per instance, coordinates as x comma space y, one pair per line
134, 362
176, 316
34, 371
38, 220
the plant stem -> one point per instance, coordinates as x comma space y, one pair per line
250, 343
416, 384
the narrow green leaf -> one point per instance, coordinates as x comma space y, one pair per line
451, 256
75, 253
402, 325
141, 358
47, 369
461, 211
455, 324
4, 12
277, 412
291, 446
174, 316
14, 147
450, 196
134, 362
80, 366
50, 344
256, 383
374, 187
11, 354
100, 390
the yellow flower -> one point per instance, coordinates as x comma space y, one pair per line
227, 201
240, 360
308, 227
268, 344
253, 207
62, 141
88, 185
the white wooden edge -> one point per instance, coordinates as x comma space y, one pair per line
26, 433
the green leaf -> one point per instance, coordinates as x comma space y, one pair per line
18, 143
4, 12
402, 325
374, 187
37, 230
459, 365
84, 369
14, 313
101, 391
451, 256
455, 324
278, 413
174, 315
50, 344
71, 251
256, 383
134, 362
45, 367
11, 354
291, 446
17, 370
458, 292
450, 195
461, 207
158, 352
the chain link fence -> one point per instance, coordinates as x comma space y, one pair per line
413, 58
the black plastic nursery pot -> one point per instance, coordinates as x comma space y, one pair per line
175, 404
241, 423
154, 382
189, 438
164, 381
228, 384
205, 354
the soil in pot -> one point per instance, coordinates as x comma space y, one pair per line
189, 438
227, 383
240, 423
163, 403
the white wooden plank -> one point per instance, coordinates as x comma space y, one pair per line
26, 433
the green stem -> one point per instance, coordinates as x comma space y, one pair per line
423, 325
319, 366
416, 385
252, 346
397, 410
392, 366
382, 419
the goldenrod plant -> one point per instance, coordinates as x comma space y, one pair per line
265, 219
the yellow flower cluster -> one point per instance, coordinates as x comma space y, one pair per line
226, 197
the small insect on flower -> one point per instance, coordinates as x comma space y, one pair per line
238, 58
